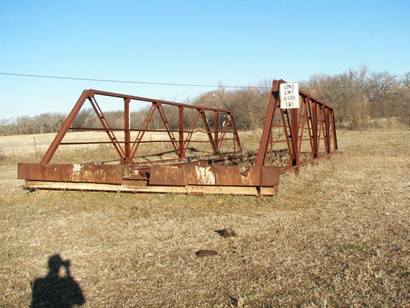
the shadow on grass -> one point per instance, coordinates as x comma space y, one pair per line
58, 288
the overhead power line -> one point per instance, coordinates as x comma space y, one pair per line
129, 81
160, 83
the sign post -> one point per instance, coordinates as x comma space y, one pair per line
289, 95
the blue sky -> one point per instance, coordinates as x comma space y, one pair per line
217, 42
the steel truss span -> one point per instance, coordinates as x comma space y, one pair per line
307, 134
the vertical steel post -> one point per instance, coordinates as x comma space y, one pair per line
294, 127
181, 147
327, 128
127, 135
216, 129
314, 129
334, 131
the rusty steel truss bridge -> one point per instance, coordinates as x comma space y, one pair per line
290, 139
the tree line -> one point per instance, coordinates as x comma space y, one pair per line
359, 98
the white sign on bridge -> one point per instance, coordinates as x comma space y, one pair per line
289, 95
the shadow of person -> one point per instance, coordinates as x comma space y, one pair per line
58, 288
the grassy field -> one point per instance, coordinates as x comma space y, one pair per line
30, 148
336, 235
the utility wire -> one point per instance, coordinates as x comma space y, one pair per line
128, 81
157, 83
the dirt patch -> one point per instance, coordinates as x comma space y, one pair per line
228, 232
206, 253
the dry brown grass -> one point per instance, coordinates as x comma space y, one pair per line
30, 148
337, 234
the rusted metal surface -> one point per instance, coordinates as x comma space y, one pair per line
89, 173
186, 174
313, 122
290, 139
